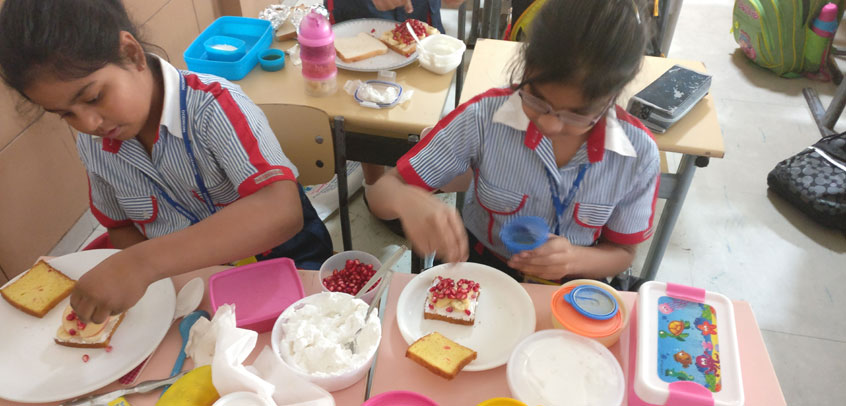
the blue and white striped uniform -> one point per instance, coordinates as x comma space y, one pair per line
491, 135
233, 144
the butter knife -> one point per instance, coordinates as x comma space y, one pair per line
105, 398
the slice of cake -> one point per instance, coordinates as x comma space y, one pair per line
74, 333
38, 290
440, 354
401, 41
451, 301
359, 48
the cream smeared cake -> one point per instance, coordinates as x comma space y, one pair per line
75, 333
452, 301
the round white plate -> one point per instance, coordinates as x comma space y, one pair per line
504, 315
388, 61
33, 368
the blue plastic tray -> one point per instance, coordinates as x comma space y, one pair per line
257, 34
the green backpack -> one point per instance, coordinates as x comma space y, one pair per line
772, 33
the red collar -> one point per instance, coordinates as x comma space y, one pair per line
595, 141
112, 145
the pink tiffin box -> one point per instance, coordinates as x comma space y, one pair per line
259, 291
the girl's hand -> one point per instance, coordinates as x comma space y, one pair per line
433, 226
553, 260
387, 5
111, 287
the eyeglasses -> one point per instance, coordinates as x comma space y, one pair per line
566, 117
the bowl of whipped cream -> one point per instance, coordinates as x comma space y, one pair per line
312, 338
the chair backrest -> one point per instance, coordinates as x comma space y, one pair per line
306, 138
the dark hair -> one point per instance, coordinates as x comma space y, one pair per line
597, 45
68, 38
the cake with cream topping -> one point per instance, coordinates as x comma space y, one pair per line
452, 301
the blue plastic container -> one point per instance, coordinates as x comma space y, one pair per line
223, 48
256, 34
524, 233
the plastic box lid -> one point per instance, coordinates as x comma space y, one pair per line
256, 34
686, 349
259, 291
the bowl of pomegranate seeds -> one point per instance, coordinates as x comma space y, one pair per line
348, 271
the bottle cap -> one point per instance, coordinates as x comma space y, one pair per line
592, 302
315, 31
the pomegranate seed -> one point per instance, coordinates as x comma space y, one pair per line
431, 307
449, 309
71, 316
109, 348
72, 332
85, 357
467, 311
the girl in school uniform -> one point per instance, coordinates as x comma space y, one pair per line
554, 145
184, 170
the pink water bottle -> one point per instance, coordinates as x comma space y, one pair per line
317, 52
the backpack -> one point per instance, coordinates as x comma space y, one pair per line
814, 181
772, 33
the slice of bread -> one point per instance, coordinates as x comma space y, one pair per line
73, 333
440, 355
38, 290
359, 48
399, 39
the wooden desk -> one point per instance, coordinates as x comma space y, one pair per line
697, 136
395, 372
165, 355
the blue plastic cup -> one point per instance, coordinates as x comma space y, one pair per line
524, 233
272, 59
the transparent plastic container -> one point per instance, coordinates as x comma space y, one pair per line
317, 52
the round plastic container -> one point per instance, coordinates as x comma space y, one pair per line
557, 367
272, 59
502, 402
440, 53
338, 261
524, 233
564, 316
329, 381
399, 398
224, 48
317, 52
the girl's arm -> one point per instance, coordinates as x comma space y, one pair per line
431, 225
253, 224
125, 237
557, 258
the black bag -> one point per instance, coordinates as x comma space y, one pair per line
814, 181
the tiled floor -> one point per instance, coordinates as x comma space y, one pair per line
733, 236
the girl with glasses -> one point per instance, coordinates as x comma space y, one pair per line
554, 145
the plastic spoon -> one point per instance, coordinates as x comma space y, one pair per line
185, 330
413, 34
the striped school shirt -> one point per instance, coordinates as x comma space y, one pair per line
514, 167
235, 149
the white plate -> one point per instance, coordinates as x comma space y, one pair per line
35, 369
504, 316
388, 61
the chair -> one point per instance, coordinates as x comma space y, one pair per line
315, 149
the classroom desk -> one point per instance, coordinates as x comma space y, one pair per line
359, 133
165, 355
395, 372
697, 136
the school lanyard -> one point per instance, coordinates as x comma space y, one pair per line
183, 116
561, 207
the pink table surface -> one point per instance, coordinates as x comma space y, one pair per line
395, 372
165, 355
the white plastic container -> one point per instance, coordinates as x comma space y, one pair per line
369, 341
682, 348
241, 399
339, 260
440, 53
557, 367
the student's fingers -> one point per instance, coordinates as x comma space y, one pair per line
450, 248
83, 308
459, 234
409, 8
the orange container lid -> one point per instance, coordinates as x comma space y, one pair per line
580, 324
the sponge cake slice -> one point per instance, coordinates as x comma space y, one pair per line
38, 290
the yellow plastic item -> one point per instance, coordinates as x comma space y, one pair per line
119, 402
502, 402
193, 389
520, 30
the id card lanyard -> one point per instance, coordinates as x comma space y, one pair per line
183, 115
561, 206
